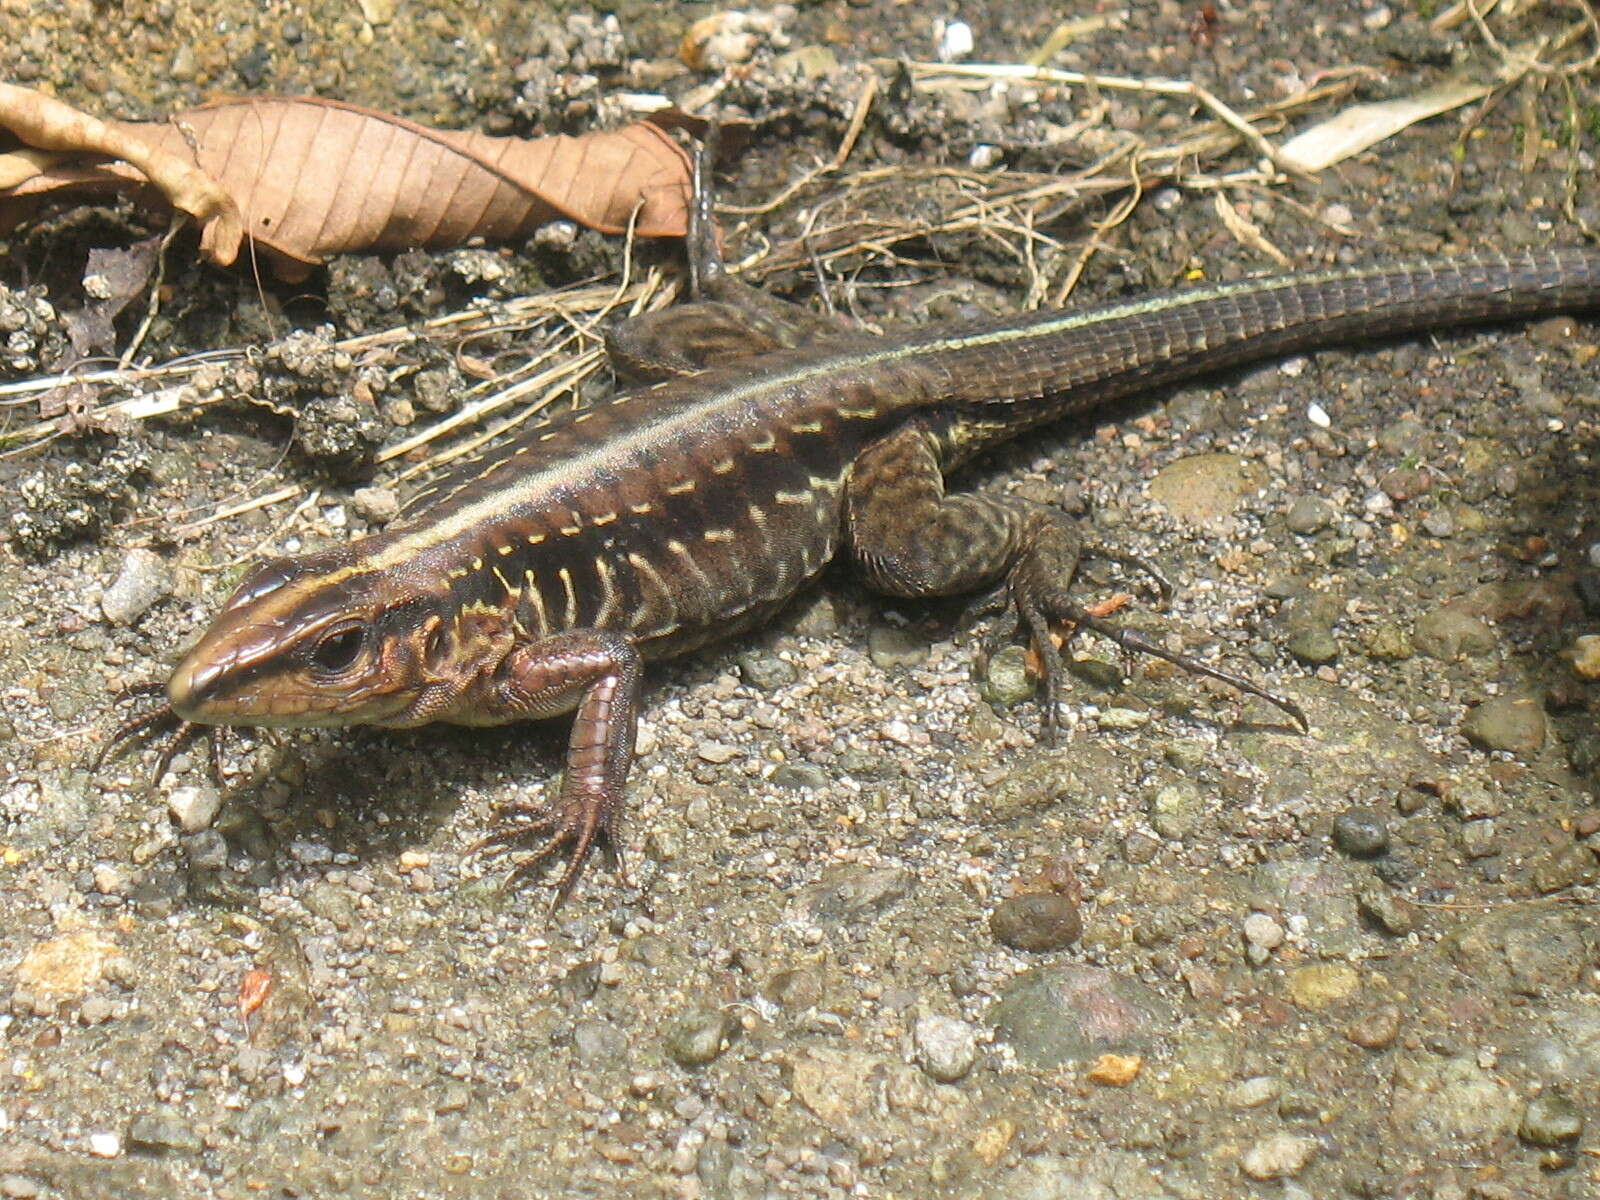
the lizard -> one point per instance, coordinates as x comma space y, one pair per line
760, 441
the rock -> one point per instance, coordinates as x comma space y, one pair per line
1512, 723
1313, 647
1254, 1092
375, 505
799, 776
164, 1132
889, 646
66, 966
1205, 489
1550, 1120
596, 1043
1559, 867
851, 894
1361, 832
1053, 1016
1527, 950
1175, 810
1308, 515
1377, 1029
1115, 1070
1036, 922
1584, 655
1385, 910
1323, 893
1322, 985
1003, 677
1448, 1098
1478, 839
698, 1037
795, 989
945, 1047
1449, 634
1263, 932
1278, 1156
143, 579
194, 808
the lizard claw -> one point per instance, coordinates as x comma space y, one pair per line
575, 824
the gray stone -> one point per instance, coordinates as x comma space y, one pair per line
164, 1132
1550, 1120
699, 1037
1478, 839
1060, 1015
1385, 910
1448, 1098
889, 646
1527, 950
1313, 647
1262, 931
194, 808
1308, 515
1036, 922
599, 1042
766, 672
1254, 1092
946, 1048
1559, 867
1004, 678
1175, 810
1278, 1156
799, 776
1513, 723
143, 579
1449, 633
852, 894
1361, 832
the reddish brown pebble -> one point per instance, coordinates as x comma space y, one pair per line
1375, 1030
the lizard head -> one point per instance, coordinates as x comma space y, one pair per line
315, 640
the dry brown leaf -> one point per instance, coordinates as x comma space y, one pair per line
308, 178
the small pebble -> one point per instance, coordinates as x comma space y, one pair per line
1115, 1070
1512, 723
945, 1047
1386, 910
1308, 515
194, 808
698, 1037
1278, 1156
1036, 922
1550, 1120
1561, 867
105, 1145
1377, 1029
889, 646
1261, 930
1175, 810
1255, 1091
376, 505
1322, 985
142, 580
1004, 679
1360, 832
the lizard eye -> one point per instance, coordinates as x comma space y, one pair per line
337, 651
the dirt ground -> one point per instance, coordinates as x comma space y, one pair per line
876, 939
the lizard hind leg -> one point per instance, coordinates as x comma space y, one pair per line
912, 539
1039, 589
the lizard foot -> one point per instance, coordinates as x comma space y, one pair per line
574, 824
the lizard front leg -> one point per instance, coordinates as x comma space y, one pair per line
602, 670
911, 539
